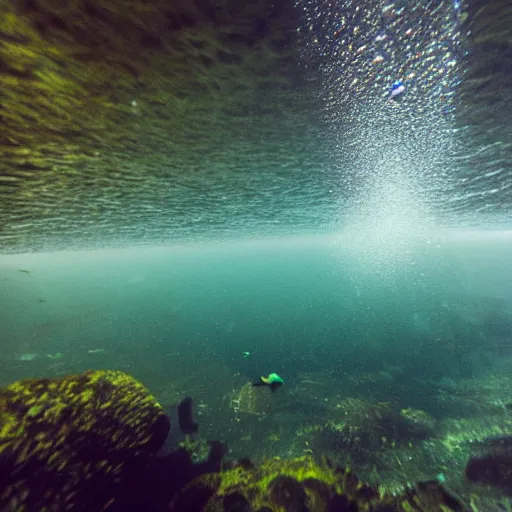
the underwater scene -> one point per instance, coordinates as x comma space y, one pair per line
396, 364
256, 256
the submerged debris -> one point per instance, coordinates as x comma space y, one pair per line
250, 400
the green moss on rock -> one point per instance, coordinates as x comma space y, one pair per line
303, 485
68, 441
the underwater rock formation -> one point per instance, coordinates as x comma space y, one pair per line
493, 465
70, 442
301, 485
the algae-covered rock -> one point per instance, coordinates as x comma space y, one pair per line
417, 423
297, 485
302, 485
71, 442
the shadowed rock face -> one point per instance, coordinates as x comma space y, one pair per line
123, 121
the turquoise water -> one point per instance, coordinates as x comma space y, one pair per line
305, 302
381, 321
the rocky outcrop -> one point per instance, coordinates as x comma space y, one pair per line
74, 442
301, 485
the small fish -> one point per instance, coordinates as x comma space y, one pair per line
273, 380
57, 355
28, 357
24, 270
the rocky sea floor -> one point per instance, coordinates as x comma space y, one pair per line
388, 443
390, 447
